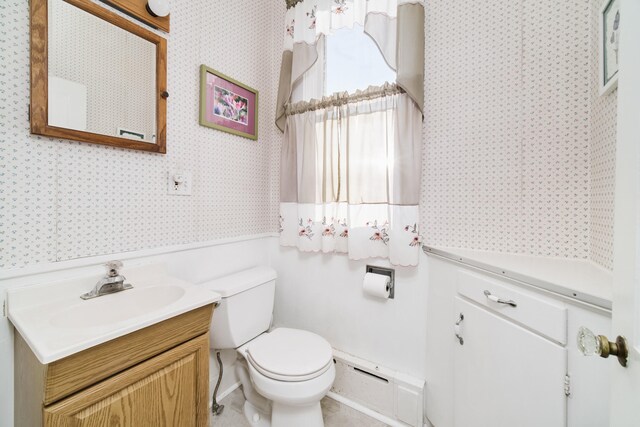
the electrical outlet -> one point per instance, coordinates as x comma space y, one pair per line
179, 183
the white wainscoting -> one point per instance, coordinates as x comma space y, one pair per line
323, 293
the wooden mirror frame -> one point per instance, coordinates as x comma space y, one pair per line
40, 79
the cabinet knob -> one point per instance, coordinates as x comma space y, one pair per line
456, 328
113, 267
591, 344
164, 94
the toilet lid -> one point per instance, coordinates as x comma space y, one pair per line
290, 354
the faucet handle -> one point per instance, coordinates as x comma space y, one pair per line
113, 267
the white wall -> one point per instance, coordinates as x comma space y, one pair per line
323, 293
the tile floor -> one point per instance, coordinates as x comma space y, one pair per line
335, 414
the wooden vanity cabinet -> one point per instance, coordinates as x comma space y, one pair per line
163, 391
156, 376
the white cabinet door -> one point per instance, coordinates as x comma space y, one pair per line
506, 375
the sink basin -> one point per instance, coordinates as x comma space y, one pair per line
113, 308
56, 323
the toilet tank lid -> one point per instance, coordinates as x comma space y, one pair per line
241, 281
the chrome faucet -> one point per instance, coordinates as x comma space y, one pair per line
109, 284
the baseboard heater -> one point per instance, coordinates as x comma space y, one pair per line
392, 395
362, 371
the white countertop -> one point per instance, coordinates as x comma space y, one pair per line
55, 322
578, 279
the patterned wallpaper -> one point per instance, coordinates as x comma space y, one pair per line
471, 158
61, 200
518, 154
114, 65
603, 156
509, 162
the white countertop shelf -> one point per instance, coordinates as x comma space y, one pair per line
56, 323
577, 279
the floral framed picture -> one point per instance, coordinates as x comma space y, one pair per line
227, 105
609, 44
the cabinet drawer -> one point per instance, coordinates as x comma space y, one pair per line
533, 311
80, 370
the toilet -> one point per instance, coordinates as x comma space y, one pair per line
284, 372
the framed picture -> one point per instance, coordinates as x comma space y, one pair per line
227, 105
131, 134
609, 43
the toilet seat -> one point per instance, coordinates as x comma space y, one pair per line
290, 355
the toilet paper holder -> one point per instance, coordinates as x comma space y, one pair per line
385, 271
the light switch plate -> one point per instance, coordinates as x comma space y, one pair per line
179, 183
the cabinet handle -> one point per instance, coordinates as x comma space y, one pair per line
494, 298
457, 329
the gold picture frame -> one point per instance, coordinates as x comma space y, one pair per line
227, 105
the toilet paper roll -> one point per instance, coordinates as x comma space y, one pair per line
376, 285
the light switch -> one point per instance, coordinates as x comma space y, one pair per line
179, 183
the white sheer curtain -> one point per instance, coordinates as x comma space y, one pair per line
350, 175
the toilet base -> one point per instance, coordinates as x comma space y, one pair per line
280, 403
306, 415
255, 417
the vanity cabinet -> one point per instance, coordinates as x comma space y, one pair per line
506, 375
160, 391
158, 375
517, 365
510, 354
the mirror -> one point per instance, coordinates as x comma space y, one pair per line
96, 77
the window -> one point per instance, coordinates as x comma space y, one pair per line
351, 162
353, 61
348, 60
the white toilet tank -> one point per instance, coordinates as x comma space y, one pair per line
245, 309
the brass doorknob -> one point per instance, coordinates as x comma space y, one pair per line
589, 344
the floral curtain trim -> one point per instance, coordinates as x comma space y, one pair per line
364, 239
306, 21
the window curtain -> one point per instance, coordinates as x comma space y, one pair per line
350, 175
396, 26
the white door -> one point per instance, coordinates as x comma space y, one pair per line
625, 386
506, 375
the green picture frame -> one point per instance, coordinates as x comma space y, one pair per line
609, 43
228, 105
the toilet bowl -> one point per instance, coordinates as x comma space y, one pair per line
294, 370
285, 372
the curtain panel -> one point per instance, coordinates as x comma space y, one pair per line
350, 175
396, 26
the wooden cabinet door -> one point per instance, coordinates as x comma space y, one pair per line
170, 389
506, 375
